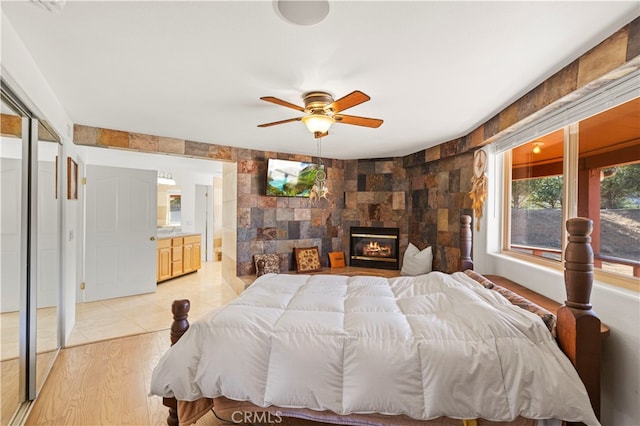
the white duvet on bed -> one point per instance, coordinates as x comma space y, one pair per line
427, 346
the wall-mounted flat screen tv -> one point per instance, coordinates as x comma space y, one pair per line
286, 178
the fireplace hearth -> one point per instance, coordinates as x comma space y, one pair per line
372, 247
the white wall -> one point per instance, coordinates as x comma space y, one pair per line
618, 308
26, 79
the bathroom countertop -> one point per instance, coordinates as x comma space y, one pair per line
167, 235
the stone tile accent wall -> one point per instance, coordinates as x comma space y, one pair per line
439, 193
269, 224
108, 138
376, 195
423, 195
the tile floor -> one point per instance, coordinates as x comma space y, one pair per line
124, 316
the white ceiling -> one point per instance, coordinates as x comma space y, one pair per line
196, 69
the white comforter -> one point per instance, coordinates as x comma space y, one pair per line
427, 346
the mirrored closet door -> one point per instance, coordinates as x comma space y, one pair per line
49, 226
30, 247
11, 167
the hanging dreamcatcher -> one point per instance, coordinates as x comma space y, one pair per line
479, 180
319, 189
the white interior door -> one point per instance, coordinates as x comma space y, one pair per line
121, 251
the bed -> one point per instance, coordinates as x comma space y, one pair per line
443, 349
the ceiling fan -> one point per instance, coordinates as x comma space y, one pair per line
322, 111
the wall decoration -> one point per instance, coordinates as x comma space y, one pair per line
56, 179
72, 179
479, 180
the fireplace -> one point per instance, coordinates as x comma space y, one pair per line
374, 247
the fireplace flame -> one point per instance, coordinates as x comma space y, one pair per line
373, 248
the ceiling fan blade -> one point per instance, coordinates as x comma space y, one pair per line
358, 121
352, 99
282, 103
280, 122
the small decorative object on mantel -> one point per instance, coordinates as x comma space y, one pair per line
336, 259
479, 180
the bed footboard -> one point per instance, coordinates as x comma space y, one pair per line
180, 311
579, 331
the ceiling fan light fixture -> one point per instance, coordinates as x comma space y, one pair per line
318, 123
322, 111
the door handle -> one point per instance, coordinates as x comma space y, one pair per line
152, 238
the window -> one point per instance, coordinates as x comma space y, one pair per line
536, 197
609, 186
589, 168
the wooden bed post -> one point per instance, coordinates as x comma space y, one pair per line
465, 243
578, 327
180, 311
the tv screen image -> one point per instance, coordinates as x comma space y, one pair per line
286, 178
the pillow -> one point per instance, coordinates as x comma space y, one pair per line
267, 264
416, 262
307, 259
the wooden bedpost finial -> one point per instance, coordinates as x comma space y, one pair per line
465, 243
180, 311
180, 324
578, 272
578, 326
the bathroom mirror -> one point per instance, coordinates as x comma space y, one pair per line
169, 206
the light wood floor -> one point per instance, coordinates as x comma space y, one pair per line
113, 318
107, 383
10, 372
47, 337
